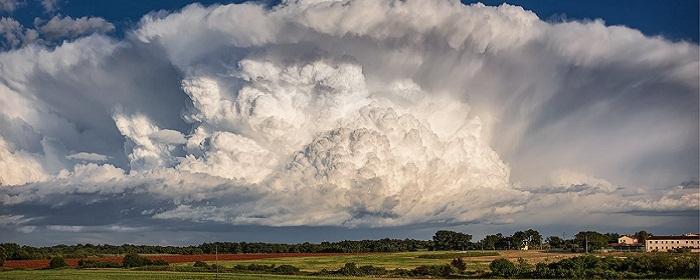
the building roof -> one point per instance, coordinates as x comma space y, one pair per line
673, 237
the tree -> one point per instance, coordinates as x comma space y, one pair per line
612, 237
519, 239
459, 264
490, 241
3, 256
450, 240
534, 237
555, 242
595, 240
642, 236
503, 267
57, 262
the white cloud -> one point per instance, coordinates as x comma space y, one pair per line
14, 34
19, 167
83, 156
356, 114
65, 228
50, 5
9, 5
66, 27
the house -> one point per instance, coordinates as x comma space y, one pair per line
627, 243
664, 243
627, 240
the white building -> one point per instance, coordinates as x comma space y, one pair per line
627, 240
669, 242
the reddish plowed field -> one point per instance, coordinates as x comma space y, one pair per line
168, 258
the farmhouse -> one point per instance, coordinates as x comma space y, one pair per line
627, 240
664, 243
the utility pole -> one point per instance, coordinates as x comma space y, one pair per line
586, 243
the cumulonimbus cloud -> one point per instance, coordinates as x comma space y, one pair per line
351, 113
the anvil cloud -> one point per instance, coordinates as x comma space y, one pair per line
351, 114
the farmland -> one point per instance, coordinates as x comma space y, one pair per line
406, 260
419, 264
310, 263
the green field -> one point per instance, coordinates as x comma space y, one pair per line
405, 260
476, 260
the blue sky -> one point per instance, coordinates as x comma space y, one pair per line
324, 121
675, 20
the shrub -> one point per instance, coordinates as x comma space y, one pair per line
254, 267
286, 269
57, 262
503, 267
159, 262
3, 256
351, 269
433, 270
200, 264
459, 264
524, 268
83, 263
135, 260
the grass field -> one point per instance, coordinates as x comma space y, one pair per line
476, 260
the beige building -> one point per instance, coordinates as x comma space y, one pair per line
669, 242
627, 240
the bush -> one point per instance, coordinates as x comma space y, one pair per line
351, 269
57, 262
3, 256
83, 263
681, 250
503, 268
286, 269
135, 260
254, 267
524, 268
200, 264
432, 270
459, 264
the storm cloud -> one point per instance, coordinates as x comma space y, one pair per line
355, 114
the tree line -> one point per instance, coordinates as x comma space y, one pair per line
442, 240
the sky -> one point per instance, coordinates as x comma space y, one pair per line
166, 122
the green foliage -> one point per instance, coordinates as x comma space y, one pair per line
642, 236
282, 269
503, 267
136, 260
596, 240
681, 250
86, 263
443, 270
286, 269
459, 264
555, 242
57, 262
591, 267
450, 240
3, 256
200, 264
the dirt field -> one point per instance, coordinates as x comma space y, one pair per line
33, 264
